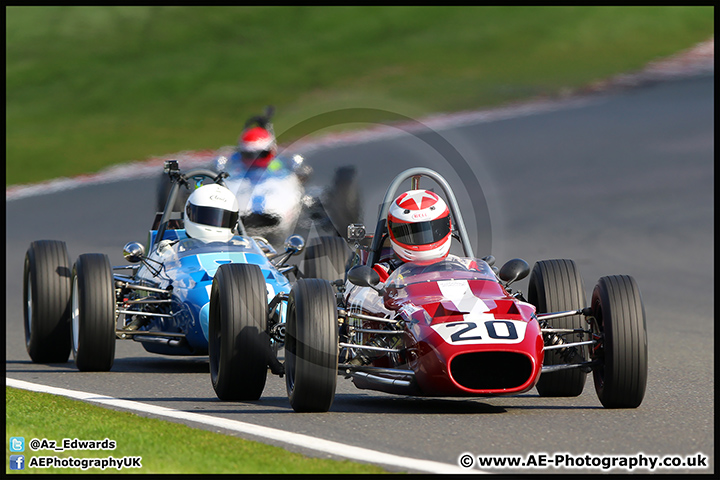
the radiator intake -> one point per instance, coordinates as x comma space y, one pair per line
491, 370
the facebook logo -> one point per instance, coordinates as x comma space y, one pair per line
17, 444
17, 462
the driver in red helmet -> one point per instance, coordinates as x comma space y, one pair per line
256, 154
420, 231
257, 147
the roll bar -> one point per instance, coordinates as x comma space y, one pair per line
414, 175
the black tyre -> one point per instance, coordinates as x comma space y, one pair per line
93, 313
619, 314
556, 286
326, 258
311, 346
46, 301
343, 203
238, 342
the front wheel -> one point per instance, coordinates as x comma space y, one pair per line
555, 286
93, 313
311, 346
46, 305
619, 321
238, 343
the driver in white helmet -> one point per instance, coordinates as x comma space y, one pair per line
211, 215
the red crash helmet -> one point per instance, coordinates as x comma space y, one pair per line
257, 147
419, 226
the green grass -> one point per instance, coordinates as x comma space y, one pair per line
165, 447
88, 87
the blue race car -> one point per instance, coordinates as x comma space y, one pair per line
162, 299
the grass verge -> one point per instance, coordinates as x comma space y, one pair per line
165, 447
88, 87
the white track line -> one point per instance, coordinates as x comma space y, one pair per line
305, 441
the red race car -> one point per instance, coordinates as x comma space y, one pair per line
454, 327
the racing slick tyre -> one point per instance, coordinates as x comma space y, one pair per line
238, 343
46, 301
343, 204
311, 346
556, 286
93, 313
326, 258
619, 314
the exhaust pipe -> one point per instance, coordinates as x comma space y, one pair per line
171, 342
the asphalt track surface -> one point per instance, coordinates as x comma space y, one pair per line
621, 182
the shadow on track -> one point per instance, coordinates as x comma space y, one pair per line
121, 365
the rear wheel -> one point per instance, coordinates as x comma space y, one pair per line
93, 313
555, 286
326, 258
311, 346
238, 342
619, 314
46, 301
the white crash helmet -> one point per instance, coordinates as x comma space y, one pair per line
419, 226
211, 213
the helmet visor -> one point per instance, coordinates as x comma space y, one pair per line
256, 154
422, 233
211, 216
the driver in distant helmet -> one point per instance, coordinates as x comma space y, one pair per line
420, 230
256, 154
257, 147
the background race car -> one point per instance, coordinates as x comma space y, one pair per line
275, 195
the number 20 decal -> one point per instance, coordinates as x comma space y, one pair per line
490, 331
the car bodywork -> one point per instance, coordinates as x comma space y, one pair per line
454, 332
172, 315
185, 278
160, 299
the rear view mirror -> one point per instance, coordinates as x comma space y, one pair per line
133, 252
514, 270
363, 276
294, 244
